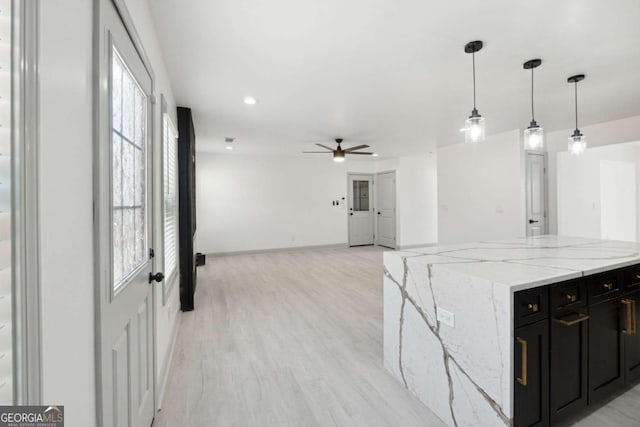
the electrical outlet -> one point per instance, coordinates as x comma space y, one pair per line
446, 317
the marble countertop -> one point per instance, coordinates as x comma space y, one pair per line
528, 262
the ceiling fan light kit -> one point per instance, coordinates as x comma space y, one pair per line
534, 134
339, 154
474, 125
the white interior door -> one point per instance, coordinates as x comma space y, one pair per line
360, 210
536, 194
385, 185
125, 189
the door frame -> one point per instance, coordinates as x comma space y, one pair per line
372, 202
395, 208
102, 259
545, 223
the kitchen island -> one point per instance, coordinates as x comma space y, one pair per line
499, 333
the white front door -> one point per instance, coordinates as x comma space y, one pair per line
125, 229
536, 221
385, 185
360, 210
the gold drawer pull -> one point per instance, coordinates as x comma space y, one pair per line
581, 318
638, 276
571, 297
532, 307
607, 286
631, 317
523, 379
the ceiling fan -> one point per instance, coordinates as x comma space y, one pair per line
339, 153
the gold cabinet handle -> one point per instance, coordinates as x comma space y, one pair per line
532, 307
571, 297
631, 317
572, 322
523, 379
607, 286
638, 276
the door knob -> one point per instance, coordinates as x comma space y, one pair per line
158, 277
533, 221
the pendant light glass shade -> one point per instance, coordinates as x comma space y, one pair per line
534, 134
577, 141
534, 137
474, 130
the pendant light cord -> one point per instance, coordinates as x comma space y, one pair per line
576, 99
533, 117
473, 55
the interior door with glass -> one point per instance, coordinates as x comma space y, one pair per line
360, 210
125, 196
536, 194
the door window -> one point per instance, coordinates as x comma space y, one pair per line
360, 195
128, 159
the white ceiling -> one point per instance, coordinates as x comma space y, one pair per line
392, 72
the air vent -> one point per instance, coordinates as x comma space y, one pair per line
229, 139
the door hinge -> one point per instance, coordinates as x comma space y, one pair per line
152, 253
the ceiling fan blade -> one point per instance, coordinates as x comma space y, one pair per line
318, 152
360, 152
324, 146
357, 147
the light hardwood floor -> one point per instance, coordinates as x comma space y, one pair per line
295, 339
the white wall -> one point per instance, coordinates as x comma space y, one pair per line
601, 134
247, 203
66, 218
66, 202
481, 190
585, 196
417, 200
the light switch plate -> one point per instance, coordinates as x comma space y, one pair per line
446, 317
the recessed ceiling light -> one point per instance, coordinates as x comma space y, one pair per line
375, 154
249, 100
229, 147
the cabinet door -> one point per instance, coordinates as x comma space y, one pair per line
568, 364
606, 349
631, 337
531, 375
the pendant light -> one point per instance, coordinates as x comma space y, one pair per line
475, 127
577, 141
534, 134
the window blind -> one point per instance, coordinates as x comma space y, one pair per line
170, 199
6, 256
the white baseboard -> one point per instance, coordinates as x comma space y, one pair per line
419, 245
166, 366
286, 249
